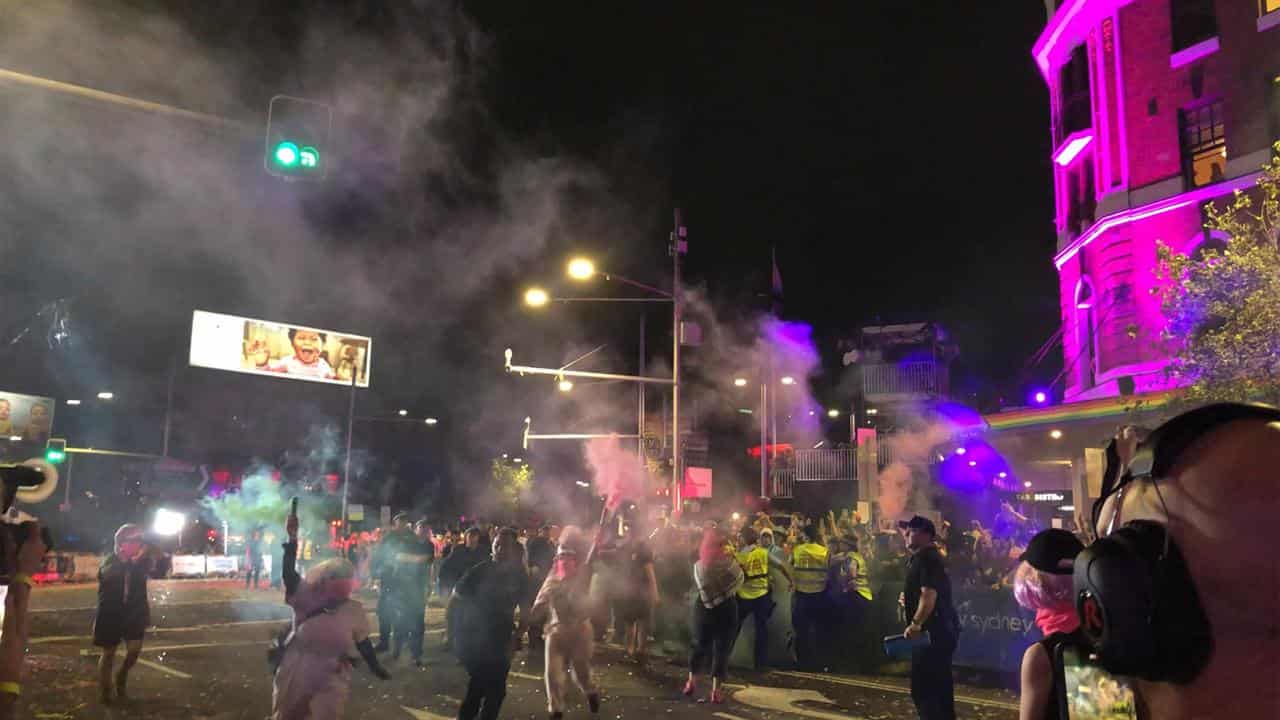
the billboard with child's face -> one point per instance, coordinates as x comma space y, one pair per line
229, 342
25, 417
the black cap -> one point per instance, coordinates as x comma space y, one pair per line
919, 523
1051, 550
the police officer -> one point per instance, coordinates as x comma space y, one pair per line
809, 606
753, 597
384, 568
926, 599
412, 583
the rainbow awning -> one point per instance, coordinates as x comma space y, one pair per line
1074, 412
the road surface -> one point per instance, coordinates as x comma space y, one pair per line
206, 658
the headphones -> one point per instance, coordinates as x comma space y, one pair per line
1138, 606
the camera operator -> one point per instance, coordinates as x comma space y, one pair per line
123, 613
25, 562
1217, 499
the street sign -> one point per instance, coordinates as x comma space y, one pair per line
355, 513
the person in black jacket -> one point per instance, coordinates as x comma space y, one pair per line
927, 602
483, 610
461, 559
413, 579
384, 568
123, 613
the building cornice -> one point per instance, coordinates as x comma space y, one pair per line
1069, 27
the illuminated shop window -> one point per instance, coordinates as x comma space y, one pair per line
1204, 144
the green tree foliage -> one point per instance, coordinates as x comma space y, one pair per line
511, 482
1223, 305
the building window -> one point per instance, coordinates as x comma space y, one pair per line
1193, 22
1268, 6
1204, 144
1074, 112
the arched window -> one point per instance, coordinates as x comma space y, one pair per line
1086, 308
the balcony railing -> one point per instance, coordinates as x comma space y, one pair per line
782, 483
826, 464
907, 380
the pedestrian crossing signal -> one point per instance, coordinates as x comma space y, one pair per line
55, 451
297, 131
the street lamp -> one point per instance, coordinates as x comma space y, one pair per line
565, 385
106, 395
403, 413
536, 297
431, 421
581, 268
833, 413
73, 402
740, 382
787, 380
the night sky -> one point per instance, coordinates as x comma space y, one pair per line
895, 155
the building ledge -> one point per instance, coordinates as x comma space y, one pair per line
1268, 21
1202, 49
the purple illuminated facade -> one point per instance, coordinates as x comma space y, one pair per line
1157, 108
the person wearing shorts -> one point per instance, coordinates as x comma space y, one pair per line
123, 613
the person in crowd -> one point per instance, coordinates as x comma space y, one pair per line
253, 559
330, 630
809, 604
1043, 584
777, 553
564, 600
634, 604
461, 559
25, 563
848, 593
541, 551
754, 598
412, 585
384, 568
123, 613
926, 598
1215, 499
484, 605
717, 576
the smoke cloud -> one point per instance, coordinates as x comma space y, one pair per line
617, 473
909, 449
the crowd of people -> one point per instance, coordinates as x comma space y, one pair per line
1197, 635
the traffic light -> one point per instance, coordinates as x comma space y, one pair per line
297, 138
55, 450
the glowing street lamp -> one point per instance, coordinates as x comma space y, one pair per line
740, 382
168, 522
565, 385
1055, 434
536, 297
787, 380
431, 421
403, 413
833, 413
73, 402
581, 269
106, 395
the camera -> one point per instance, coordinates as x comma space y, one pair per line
30, 482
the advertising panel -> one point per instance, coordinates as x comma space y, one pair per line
27, 417
260, 347
697, 483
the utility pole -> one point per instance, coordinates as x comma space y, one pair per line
640, 400
678, 246
351, 423
168, 405
764, 441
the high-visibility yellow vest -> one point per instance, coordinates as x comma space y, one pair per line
861, 580
809, 560
755, 566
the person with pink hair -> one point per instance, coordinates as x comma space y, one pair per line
1043, 583
565, 601
717, 576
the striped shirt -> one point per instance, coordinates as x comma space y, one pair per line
717, 581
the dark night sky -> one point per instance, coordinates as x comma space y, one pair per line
895, 154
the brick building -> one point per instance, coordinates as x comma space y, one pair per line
1157, 107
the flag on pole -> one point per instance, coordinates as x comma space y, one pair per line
776, 289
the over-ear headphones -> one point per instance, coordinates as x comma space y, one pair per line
1138, 605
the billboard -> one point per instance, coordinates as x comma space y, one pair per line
27, 417
697, 483
228, 342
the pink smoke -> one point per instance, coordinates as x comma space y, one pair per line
617, 472
907, 448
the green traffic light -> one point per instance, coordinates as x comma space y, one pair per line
286, 154
309, 157
55, 456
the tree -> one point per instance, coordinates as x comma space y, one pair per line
1223, 303
510, 482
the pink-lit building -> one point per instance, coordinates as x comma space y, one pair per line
1157, 107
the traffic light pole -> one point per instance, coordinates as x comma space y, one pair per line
678, 246
351, 423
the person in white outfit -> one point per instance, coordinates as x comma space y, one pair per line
329, 632
565, 599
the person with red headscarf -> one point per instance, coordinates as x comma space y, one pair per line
718, 576
565, 601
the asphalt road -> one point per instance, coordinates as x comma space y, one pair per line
206, 658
